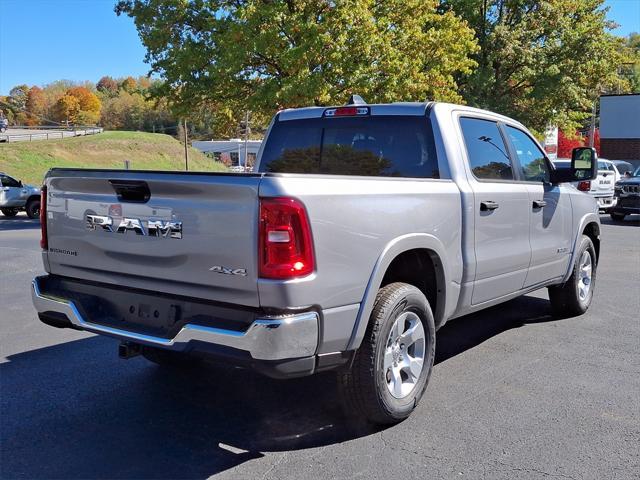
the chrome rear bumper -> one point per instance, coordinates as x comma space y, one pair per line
268, 338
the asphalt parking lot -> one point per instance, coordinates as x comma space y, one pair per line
515, 394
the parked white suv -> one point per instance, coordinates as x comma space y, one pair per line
601, 188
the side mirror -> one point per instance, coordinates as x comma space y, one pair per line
20, 183
584, 166
584, 162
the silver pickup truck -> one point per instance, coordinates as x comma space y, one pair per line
362, 231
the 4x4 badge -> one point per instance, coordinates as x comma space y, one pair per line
229, 271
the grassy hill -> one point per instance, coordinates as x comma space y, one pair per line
29, 161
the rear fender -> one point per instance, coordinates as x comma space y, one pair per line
390, 252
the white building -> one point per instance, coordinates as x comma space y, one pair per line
230, 152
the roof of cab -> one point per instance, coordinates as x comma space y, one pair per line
397, 108
400, 108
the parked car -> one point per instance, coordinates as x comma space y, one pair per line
601, 188
628, 196
364, 230
15, 196
622, 167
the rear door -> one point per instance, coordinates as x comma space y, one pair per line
184, 234
501, 210
549, 210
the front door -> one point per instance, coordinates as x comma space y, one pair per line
501, 212
549, 211
12, 193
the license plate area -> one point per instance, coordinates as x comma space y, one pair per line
145, 312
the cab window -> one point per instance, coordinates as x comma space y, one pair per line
7, 181
487, 153
533, 166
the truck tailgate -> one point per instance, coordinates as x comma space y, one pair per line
178, 233
604, 183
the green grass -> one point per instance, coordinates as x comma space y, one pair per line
29, 161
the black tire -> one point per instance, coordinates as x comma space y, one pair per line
33, 209
364, 387
166, 358
618, 217
9, 212
565, 299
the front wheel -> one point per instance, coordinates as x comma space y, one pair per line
393, 365
9, 212
574, 297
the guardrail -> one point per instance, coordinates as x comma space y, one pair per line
72, 132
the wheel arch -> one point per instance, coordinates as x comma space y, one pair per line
31, 198
432, 277
589, 225
592, 230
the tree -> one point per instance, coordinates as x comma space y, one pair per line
36, 105
270, 55
18, 98
66, 109
144, 83
124, 112
107, 86
631, 71
89, 105
129, 84
542, 62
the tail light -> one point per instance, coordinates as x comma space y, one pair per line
584, 186
44, 244
285, 243
346, 111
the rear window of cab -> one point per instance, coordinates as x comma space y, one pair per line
380, 145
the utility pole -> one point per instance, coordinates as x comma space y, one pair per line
246, 137
592, 127
186, 147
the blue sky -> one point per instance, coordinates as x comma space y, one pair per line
46, 40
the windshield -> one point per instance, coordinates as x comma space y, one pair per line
637, 172
395, 146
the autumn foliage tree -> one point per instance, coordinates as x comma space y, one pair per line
78, 106
67, 109
89, 104
107, 86
129, 84
36, 105
263, 56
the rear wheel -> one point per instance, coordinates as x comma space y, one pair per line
574, 297
618, 217
33, 208
9, 212
393, 365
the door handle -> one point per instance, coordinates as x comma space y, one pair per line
488, 205
539, 203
